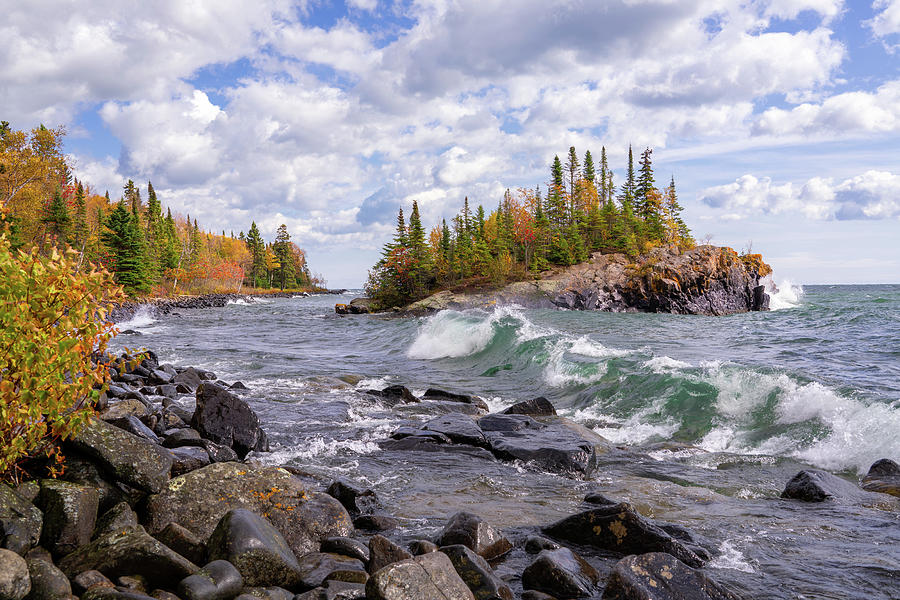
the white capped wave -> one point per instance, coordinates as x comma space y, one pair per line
452, 334
139, 321
785, 294
635, 429
665, 364
590, 348
316, 447
731, 558
559, 371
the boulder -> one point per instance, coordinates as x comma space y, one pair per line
618, 528
817, 486
20, 521
360, 306
129, 552
70, 513
376, 522
444, 396
317, 567
477, 574
189, 378
884, 477
199, 499
661, 576
347, 546
535, 543
47, 581
539, 406
122, 409
225, 419
160, 377
183, 541
383, 552
131, 459
562, 574
355, 500
424, 577
89, 579
267, 593
15, 581
558, 445
598, 498
118, 517
419, 547
134, 425
255, 547
187, 459
394, 394
182, 437
105, 593
459, 428
83, 470
218, 580
475, 533
335, 590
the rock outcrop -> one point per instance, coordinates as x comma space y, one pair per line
706, 280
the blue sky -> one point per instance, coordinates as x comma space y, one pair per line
779, 119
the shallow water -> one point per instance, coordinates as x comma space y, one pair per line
750, 399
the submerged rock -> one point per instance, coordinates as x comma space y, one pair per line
475, 533
426, 577
817, 486
661, 576
539, 406
225, 419
394, 394
562, 574
199, 499
617, 527
884, 477
459, 428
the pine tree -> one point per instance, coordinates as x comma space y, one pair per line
587, 170
56, 218
125, 241
645, 183
257, 248
282, 248
628, 187
421, 263
572, 166
604, 190
556, 200
79, 225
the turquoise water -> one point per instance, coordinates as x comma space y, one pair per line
715, 414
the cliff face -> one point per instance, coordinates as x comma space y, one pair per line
706, 280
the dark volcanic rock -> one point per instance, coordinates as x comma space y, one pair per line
817, 486
884, 477
15, 581
477, 574
255, 547
418, 547
556, 445
182, 437
129, 552
427, 577
316, 567
383, 552
459, 428
187, 459
199, 499
133, 460
436, 394
535, 543
356, 500
394, 394
70, 512
617, 527
539, 406
661, 576
89, 579
132, 424
225, 419
20, 521
118, 517
475, 533
47, 581
219, 580
347, 546
190, 378
183, 541
561, 573
376, 522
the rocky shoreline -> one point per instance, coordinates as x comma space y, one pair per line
162, 502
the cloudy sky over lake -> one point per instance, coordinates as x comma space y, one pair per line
779, 119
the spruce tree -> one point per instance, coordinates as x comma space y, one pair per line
56, 218
421, 263
587, 170
257, 248
556, 200
282, 248
572, 166
125, 241
79, 225
604, 172
645, 183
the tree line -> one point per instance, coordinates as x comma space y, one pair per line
147, 249
578, 212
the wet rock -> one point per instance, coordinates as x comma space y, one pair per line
134, 425
129, 552
346, 546
239, 386
459, 428
335, 590
122, 409
15, 581
89, 579
561, 573
118, 517
160, 377
617, 527
376, 522
394, 394
266, 593
598, 498
539, 406
187, 459
116, 391
317, 567
475, 533
256, 548
47, 581
189, 378
555, 446
219, 453
356, 500
104, 593
536, 595
133, 460
477, 574
225, 419
424, 577
884, 477
70, 513
817, 486
700, 546
535, 543
183, 541
182, 437
419, 547
218, 580
383, 552
406, 432
661, 576
132, 584
168, 391
444, 396
164, 595
199, 499
20, 521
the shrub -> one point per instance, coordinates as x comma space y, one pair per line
52, 319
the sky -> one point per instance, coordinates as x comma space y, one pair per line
779, 119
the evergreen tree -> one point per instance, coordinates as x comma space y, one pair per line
628, 187
587, 171
446, 247
79, 225
572, 166
125, 242
282, 248
604, 172
421, 262
56, 218
257, 248
556, 200
645, 183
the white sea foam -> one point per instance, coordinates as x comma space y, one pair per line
588, 347
452, 334
317, 446
141, 320
665, 364
784, 295
560, 372
731, 558
635, 429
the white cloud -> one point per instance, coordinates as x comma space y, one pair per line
886, 22
872, 195
368, 5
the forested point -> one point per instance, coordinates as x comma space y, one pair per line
579, 213
147, 249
